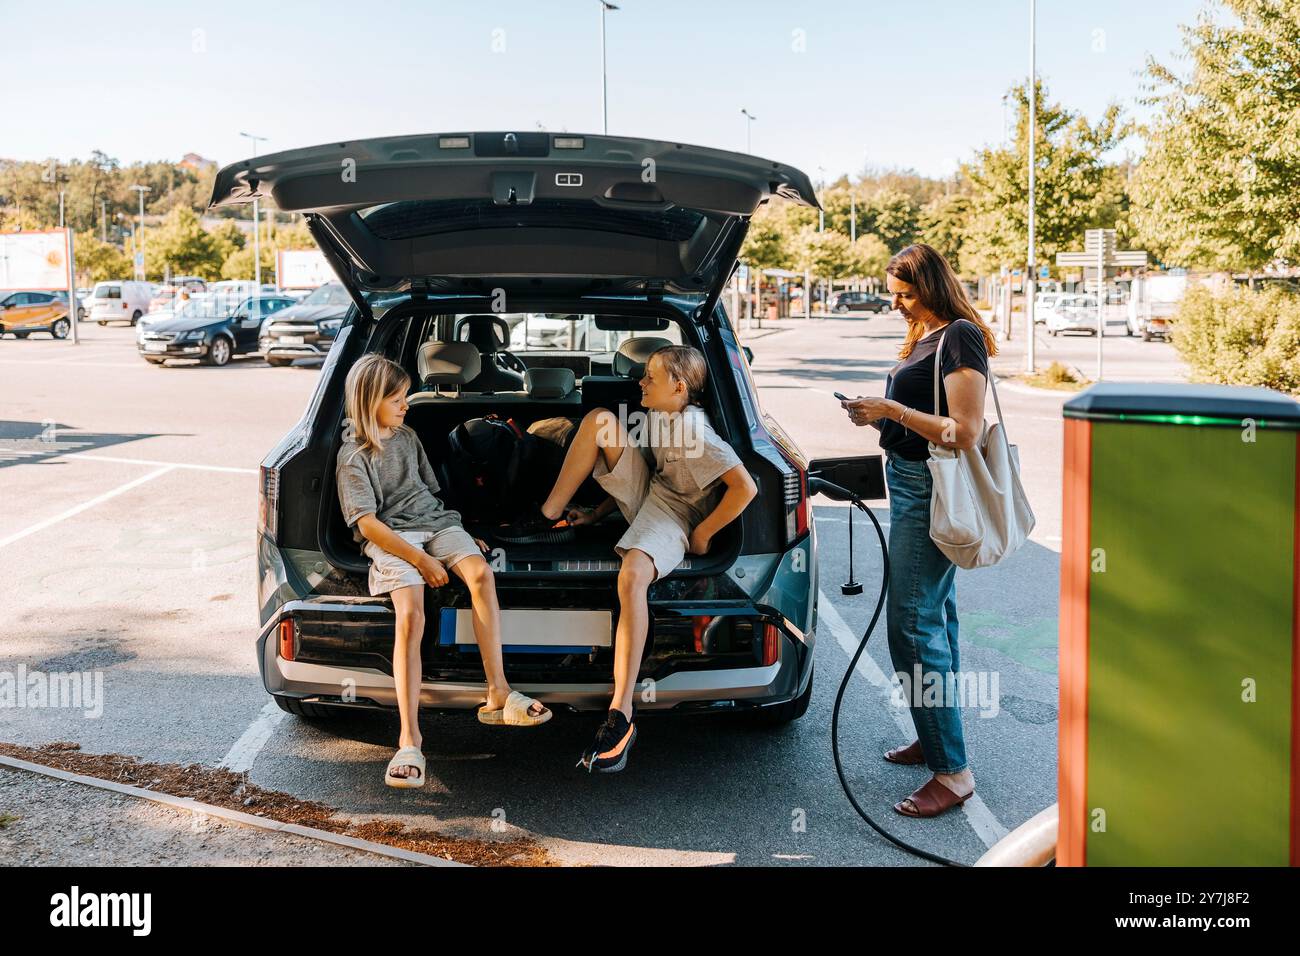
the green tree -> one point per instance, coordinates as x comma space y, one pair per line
890, 214
870, 256
182, 243
943, 224
1219, 184
99, 261
1069, 182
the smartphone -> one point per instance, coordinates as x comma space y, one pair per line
842, 398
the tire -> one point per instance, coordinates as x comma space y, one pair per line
841, 309
1052, 332
101, 323
135, 317
59, 329
155, 361
292, 705
21, 335
771, 718
219, 352
279, 363
1146, 336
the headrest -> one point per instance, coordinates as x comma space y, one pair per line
448, 363
549, 382
630, 359
484, 333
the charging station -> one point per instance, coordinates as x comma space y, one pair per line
1179, 628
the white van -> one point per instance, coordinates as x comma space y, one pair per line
119, 300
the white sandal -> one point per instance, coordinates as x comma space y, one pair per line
406, 757
515, 712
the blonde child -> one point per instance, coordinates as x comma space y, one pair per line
387, 491
678, 487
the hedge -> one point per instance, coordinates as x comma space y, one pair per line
1239, 337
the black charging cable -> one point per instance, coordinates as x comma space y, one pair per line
816, 485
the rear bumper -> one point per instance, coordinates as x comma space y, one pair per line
684, 690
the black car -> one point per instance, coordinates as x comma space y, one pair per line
210, 330
307, 328
842, 302
437, 238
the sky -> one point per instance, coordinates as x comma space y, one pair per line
835, 85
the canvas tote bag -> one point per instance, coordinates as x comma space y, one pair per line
978, 510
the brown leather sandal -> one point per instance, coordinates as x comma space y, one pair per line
931, 800
911, 754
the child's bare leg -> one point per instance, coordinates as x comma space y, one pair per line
600, 432
478, 577
634, 579
408, 603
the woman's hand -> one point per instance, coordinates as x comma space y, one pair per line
699, 542
580, 516
864, 411
432, 571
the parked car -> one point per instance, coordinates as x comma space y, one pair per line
731, 630
859, 302
1042, 302
1072, 313
25, 312
306, 329
1153, 303
119, 300
208, 328
62, 296
164, 294
538, 330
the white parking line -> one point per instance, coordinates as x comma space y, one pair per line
39, 526
86, 456
978, 815
243, 754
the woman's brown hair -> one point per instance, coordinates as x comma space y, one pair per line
939, 289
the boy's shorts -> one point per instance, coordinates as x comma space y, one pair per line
388, 572
652, 528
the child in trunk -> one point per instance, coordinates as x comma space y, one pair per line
676, 482
387, 491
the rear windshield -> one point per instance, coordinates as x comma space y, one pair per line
104, 291
427, 217
567, 332
328, 295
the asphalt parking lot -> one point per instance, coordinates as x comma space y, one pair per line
128, 543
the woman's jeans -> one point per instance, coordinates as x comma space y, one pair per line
922, 617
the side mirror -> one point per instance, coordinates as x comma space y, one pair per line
862, 475
749, 354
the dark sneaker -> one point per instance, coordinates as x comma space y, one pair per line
613, 743
534, 528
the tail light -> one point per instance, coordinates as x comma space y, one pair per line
288, 644
268, 501
126, 305
771, 644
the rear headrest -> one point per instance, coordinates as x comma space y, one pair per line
549, 382
630, 359
448, 363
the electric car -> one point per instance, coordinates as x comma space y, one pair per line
435, 239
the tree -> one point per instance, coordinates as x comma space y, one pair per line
891, 214
229, 239
239, 264
1220, 182
870, 256
99, 261
182, 243
943, 224
1069, 186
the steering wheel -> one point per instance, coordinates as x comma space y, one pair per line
510, 360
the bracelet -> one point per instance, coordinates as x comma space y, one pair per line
902, 419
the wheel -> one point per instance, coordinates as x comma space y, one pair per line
1052, 332
292, 705
135, 317
791, 710
21, 335
1146, 336
59, 329
218, 352
279, 363
1128, 330
155, 361
81, 315
841, 309
101, 323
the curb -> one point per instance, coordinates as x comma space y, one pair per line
233, 816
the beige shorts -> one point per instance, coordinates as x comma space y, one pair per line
388, 572
652, 528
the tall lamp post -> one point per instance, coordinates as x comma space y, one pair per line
257, 223
749, 122
1030, 273
140, 247
604, 83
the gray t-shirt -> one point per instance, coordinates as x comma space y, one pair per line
397, 486
689, 459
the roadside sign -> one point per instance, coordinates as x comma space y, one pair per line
1044, 272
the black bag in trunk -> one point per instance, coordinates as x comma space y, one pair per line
477, 470
537, 460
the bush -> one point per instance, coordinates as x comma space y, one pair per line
1240, 337
1058, 374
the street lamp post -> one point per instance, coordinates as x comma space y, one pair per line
1030, 278
257, 223
749, 120
604, 83
141, 190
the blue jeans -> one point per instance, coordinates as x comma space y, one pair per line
922, 615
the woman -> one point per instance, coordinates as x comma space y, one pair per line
922, 605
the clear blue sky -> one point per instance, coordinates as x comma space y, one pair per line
896, 84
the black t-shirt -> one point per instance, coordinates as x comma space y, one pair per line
911, 382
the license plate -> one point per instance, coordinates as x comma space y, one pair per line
547, 629
293, 340
155, 346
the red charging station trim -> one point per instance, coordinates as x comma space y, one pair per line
1072, 746
1295, 671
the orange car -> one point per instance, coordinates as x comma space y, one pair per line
23, 313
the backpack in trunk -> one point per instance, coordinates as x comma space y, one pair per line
477, 470
537, 460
